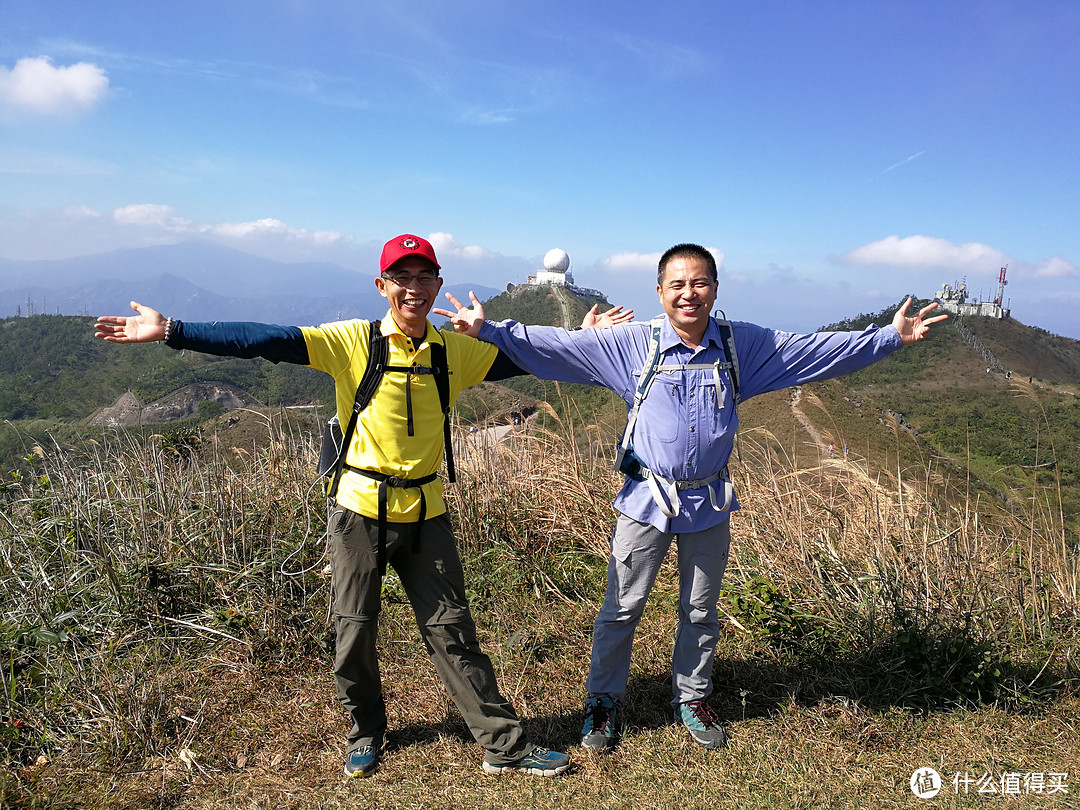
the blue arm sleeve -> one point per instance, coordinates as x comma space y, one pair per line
503, 368
242, 339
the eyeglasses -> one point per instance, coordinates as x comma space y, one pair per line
425, 278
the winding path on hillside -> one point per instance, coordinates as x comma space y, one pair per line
560, 294
801, 418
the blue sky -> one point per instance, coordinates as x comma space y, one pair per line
835, 155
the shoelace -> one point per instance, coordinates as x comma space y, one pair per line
704, 713
600, 716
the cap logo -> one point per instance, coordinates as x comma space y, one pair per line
410, 244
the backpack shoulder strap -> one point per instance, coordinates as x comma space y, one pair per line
441, 371
648, 374
378, 351
727, 336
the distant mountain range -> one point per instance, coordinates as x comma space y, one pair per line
195, 281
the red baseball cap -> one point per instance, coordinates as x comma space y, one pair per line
401, 247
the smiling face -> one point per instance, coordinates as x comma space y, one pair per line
411, 297
687, 294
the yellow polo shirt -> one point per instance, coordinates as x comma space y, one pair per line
381, 440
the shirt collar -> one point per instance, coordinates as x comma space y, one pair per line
388, 326
669, 338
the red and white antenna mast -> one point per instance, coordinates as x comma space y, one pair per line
1001, 287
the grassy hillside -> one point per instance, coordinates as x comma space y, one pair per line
165, 642
52, 367
165, 638
1010, 433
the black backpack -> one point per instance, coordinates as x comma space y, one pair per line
335, 443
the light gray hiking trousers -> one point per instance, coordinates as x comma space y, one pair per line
431, 574
637, 551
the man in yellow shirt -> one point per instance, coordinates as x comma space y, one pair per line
388, 504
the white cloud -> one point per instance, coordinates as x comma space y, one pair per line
34, 84
926, 252
84, 212
1056, 267
149, 214
632, 262
162, 218
446, 245
930, 253
270, 228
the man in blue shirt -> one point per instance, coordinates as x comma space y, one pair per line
683, 437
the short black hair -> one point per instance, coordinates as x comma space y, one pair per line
687, 250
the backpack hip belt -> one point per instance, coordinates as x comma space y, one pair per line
667, 498
386, 481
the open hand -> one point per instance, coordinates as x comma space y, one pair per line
914, 327
595, 319
466, 320
146, 327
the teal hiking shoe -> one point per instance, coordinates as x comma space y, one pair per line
701, 720
602, 728
539, 762
362, 762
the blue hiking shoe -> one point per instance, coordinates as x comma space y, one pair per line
362, 762
539, 762
701, 720
602, 728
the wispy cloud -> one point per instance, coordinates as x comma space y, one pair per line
318, 86
903, 162
662, 59
163, 219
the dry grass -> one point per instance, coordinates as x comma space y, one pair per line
159, 648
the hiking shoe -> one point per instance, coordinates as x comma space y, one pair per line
602, 727
701, 720
362, 762
539, 762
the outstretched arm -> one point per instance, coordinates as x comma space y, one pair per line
222, 338
913, 328
146, 327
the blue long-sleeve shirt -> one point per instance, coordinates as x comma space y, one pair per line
681, 433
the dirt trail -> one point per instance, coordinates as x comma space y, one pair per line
561, 296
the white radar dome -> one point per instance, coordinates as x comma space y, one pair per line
556, 261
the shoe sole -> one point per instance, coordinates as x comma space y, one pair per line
711, 745
360, 773
499, 770
604, 747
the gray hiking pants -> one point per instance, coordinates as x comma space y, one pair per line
637, 550
435, 585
